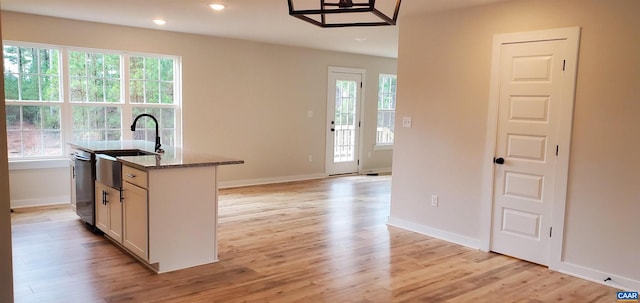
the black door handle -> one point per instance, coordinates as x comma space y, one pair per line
333, 129
499, 161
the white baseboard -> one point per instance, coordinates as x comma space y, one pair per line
262, 181
435, 233
597, 276
564, 267
40, 202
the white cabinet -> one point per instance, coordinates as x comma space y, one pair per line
182, 217
169, 216
135, 214
124, 216
108, 211
166, 213
102, 210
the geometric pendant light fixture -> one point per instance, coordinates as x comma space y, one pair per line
346, 13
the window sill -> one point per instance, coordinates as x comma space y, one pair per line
38, 163
383, 147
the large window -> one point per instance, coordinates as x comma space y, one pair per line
57, 94
33, 103
95, 82
386, 109
152, 92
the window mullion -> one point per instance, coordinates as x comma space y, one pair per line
66, 111
22, 147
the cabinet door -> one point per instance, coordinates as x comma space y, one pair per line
115, 213
135, 216
102, 209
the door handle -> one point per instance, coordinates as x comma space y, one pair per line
333, 129
332, 124
498, 161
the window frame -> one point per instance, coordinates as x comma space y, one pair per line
378, 145
125, 105
22, 103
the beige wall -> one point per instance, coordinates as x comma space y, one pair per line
6, 274
240, 99
443, 77
27, 190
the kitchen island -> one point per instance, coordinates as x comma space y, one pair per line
167, 211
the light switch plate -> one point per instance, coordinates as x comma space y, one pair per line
406, 122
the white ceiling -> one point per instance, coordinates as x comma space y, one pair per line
256, 20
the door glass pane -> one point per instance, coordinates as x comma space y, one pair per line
345, 120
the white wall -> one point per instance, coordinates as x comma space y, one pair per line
36, 187
443, 77
241, 99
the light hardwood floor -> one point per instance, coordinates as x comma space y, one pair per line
312, 241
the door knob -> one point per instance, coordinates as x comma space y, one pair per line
499, 161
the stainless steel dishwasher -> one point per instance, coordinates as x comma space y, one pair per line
105, 168
85, 174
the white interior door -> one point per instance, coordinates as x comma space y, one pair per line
530, 97
343, 121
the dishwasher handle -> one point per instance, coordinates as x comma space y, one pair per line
81, 157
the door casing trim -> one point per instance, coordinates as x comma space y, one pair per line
572, 37
363, 77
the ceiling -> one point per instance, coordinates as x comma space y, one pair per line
256, 20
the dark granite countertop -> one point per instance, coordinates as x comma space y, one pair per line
172, 158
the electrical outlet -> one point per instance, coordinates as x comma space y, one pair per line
310, 158
434, 200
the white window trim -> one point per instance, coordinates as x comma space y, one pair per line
39, 164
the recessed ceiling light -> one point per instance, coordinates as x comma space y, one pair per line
361, 39
216, 6
159, 22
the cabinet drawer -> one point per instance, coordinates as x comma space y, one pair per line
134, 176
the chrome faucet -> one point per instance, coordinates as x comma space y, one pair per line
133, 128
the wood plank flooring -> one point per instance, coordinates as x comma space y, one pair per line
313, 241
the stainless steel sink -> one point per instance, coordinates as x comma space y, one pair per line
128, 152
109, 169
